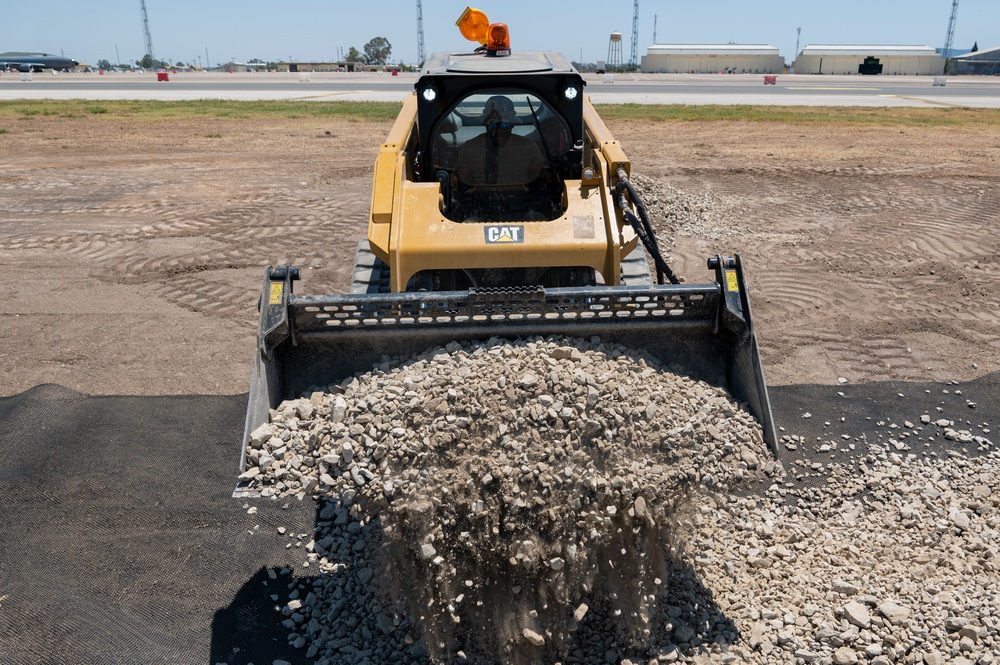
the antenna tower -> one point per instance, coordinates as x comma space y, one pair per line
635, 34
145, 31
421, 56
950, 37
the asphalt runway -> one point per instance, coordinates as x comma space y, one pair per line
789, 90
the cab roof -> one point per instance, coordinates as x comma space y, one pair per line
543, 62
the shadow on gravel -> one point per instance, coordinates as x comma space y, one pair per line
360, 610
251, 621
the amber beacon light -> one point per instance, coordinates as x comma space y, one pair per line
473, 25
499, 40
476, 27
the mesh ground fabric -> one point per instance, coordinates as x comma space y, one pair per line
120, 542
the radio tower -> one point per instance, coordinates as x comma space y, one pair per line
635, 34
145, 32
950, 37
421, 56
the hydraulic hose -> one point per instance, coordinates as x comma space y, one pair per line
642, 226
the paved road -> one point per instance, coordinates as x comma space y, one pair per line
795, 90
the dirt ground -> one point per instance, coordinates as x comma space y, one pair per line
132, 253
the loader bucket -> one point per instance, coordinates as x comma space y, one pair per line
311, 342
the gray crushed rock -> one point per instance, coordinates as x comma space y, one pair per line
892, 558
871, 563
509, 499
675, 211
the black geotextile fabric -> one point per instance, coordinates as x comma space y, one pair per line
867, 417
120, 541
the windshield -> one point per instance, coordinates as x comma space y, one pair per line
493, 153
499, 138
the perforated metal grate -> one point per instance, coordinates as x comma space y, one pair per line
504, 306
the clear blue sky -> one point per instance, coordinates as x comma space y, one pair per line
313, 30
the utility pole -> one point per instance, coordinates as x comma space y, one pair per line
795, 56
145, 32
654, 28
208, 63
950, 37
421, 55
118, 58
635, 34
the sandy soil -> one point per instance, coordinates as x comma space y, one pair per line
132, 253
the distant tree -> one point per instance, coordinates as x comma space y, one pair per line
103, 64
377, 51
254, 61
975, 46
180, 64
353, 55
146, 62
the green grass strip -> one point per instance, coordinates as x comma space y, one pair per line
152, 111
805, 115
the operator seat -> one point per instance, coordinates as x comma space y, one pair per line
499, 157
514, 160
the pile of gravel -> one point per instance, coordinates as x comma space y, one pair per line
501, 501
675, 212
875, 549
888, 554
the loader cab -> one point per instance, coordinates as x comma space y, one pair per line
500, 135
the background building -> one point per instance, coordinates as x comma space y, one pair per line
984, 63
847, 58
303, 67
317, 66
712, 59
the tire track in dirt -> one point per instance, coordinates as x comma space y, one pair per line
927, 289
277, 227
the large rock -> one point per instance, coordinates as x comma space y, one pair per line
857, 614
894, 613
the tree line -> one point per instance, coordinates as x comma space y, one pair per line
376, 52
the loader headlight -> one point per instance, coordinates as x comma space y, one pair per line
571, 92
429, 94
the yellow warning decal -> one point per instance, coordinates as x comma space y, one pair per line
731, 283
276, 290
